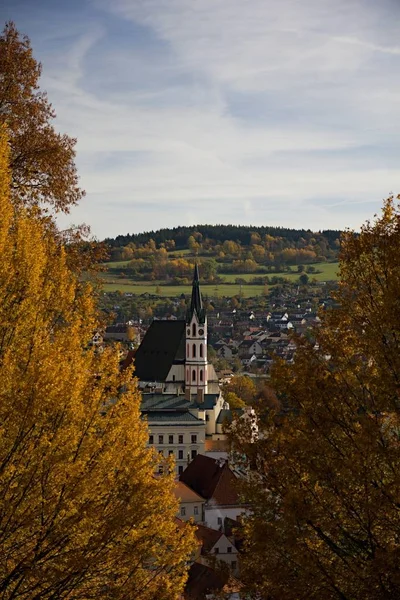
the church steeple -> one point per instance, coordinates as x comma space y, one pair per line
196, 364
196, 302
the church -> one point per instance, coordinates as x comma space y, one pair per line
181, 399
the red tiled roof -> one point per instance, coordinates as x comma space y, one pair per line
212, 481
201, 580
208, 537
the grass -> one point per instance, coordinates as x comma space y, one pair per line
328, 273
228, 288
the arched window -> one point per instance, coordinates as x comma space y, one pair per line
201, 374
194, 330
201, 350
193, 375
187, 350
194, 350
187, 375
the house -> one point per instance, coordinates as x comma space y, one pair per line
205, 582
215, 544
225, 351
120, 332
214, 481
190, 504
249, 347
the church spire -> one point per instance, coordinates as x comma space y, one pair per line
196, 302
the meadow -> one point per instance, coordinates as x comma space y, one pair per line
113, 283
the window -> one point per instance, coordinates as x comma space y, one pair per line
201, 374
216, 550
173, 377
151, 439
229, 549
219, 521
194, 439
196, 510
180, 454
180, 439
183, 511
187, 374
180, 470
207, 417
160, 439
234, 564
170, 439
170, 452
194, 453
194, 350
194, 375
201, 350
194, 330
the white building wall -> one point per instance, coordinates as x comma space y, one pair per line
191, 510
214, 515
166, 439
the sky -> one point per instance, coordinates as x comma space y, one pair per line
252, 112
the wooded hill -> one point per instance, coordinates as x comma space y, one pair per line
221, 233
168, 255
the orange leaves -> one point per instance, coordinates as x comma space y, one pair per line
325, 492
42, 161
81, 513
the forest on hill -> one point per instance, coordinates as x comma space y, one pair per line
218, 234
168, 255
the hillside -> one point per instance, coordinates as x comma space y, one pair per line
233, 257
218, 234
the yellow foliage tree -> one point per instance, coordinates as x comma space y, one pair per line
42, 164
325, 478
81, 513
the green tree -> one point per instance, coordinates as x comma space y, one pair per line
325, 492
81, 513
303, 279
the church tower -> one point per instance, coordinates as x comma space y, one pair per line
196, 376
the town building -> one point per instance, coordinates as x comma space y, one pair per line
181, 398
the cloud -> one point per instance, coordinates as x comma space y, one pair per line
228, 110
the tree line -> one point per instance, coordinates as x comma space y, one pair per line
218, 234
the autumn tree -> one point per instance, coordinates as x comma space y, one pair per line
241, 390
81, 513
42, 164
325, 478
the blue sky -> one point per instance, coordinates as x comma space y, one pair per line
275, 112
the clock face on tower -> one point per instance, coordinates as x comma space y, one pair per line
201, 331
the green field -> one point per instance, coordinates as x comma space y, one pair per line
328, 273
114, 283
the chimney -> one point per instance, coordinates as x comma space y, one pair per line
200, 396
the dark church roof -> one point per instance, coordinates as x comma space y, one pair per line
163, 344
196, 303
